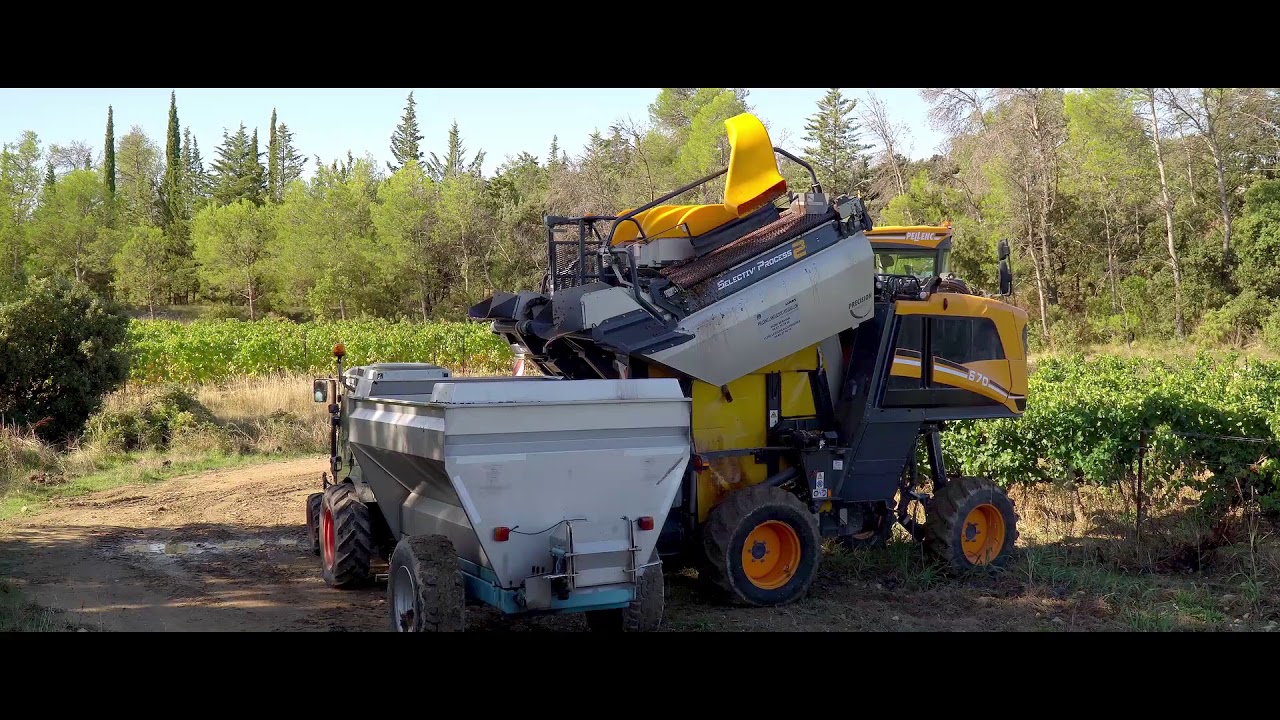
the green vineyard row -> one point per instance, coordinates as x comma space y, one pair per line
1209, 424
214, 350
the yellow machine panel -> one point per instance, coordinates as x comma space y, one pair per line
921, 236
752, 182
1005, 380
753, 178
723, 424
666, 221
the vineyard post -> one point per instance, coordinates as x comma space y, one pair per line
1138, 485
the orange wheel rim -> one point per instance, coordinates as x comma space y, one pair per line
982, 535
771, 555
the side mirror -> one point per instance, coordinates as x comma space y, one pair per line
1006, 278
320, 389
1002, 250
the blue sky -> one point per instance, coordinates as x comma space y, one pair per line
328, 122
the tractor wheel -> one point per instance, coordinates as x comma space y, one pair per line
762, 546
314, 503
971, 525
424, 587
644, 614
877, 527
346, 537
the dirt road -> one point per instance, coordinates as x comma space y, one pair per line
226, 551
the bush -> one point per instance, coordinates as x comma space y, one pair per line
59, 356
1084, 419
1271, 332
148, 420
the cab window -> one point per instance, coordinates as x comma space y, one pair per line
896, 262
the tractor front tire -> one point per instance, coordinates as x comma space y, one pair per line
314, 503
346, 537
971, 525
424, 588
644, 614
762, 546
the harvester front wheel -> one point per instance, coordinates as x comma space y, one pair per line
346, 537
424, 587
644, 614
762, 546
315, 502
971, 525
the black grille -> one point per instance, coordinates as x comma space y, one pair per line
573, 254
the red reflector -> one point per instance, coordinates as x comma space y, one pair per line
699, 464
646, 522
501, 534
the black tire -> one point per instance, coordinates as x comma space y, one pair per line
952, 284
345, 553
725, 534
644, 614
947, 524
314, 503
876, 530
424, 570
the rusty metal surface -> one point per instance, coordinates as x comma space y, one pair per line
688, 274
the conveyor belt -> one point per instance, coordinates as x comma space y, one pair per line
692, 272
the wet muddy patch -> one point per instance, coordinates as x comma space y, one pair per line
184, 548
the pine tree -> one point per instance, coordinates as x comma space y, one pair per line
553, 154
404, 141
291, 161
834, 150
49, 177
238, 169
172, 185
109, 156
88, 162
455, 159
275, 189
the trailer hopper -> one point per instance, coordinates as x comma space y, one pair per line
552, 491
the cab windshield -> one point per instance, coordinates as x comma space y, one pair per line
917, 263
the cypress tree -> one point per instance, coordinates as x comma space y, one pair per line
275, 190
171, 184
109, 155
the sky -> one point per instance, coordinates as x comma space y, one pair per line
329, 122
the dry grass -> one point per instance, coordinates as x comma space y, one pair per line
1157, 350
276, 412
22, 454
146, 432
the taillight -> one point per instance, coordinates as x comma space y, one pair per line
646, 522
699, 464
501, 534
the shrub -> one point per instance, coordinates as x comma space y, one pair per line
59, 356
148, 419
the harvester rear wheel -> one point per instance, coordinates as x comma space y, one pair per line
424, 587
314, 503
346, 537
971, 525
644, 614
762, 546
